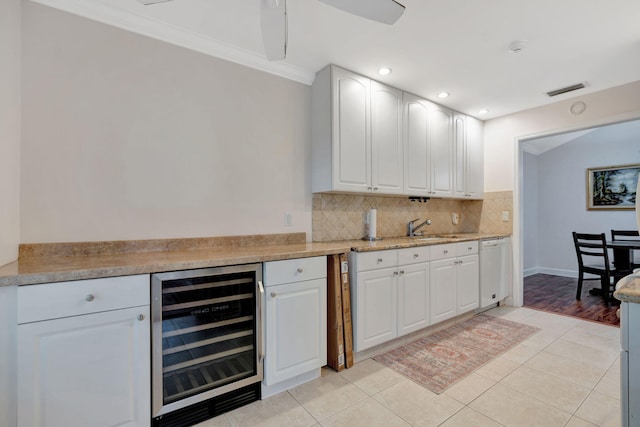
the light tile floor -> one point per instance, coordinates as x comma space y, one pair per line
565, 375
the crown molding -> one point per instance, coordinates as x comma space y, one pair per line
146, 26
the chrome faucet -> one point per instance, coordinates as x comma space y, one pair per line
412, 230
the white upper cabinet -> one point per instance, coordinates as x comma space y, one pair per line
386, 139
371, 138
475, 159
429, 151
356, 134
440, 139
341, 111
468, 182
416, 167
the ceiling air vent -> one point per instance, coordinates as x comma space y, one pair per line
567, 89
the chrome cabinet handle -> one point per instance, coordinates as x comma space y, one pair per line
300, 270
260, 310
89, 297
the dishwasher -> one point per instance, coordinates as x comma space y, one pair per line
495, 271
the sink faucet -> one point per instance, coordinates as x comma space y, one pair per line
412, 230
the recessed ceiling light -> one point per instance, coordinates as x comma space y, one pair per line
384, 71
483, 111
518, 46
443, 94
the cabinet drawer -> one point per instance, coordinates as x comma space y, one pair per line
413, 255
64, 299
294, 270
467, 248
376, 259
443, 251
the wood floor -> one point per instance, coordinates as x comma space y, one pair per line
558, 295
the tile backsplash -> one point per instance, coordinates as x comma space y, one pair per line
342, 216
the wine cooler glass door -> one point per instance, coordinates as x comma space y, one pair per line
206, 334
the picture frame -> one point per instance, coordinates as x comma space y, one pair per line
612, 187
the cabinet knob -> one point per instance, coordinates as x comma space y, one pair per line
379, 260
445, 251
89, 297
141, 317
273, 294
395, 273
300, 270
375, 188
401, 271
416, 255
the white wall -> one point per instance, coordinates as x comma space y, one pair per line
530, 214
500, 134
562, 193
503, 159
125, 137
9, 130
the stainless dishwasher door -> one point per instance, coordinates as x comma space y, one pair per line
495, 271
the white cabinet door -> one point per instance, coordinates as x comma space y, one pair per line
351, 131
468, 169
296, 329
443, 289
416, 166
467, 283
460, 163
441, 152
386, 139
413, 298
376, 306
89, 370
474, 158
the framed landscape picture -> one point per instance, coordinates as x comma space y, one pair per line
612, 187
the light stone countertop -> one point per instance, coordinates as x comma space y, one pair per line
57, 262
628, 288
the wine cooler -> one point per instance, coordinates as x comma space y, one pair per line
206, 342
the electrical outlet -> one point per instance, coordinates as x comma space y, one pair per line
455, 218
505, 216
288, 220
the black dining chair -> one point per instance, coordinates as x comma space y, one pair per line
593, 258
625, 235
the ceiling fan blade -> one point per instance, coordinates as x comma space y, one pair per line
385, 11
273, 20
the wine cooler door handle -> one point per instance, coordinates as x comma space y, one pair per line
260, 311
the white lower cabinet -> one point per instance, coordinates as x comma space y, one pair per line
376, 308
296, 321
390, 291
84, 367
455, 281
413, 298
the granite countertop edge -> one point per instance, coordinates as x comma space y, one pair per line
46, 269
628, 288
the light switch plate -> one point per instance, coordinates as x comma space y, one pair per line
454, 218
505, 216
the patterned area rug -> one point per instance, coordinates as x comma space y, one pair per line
442, 359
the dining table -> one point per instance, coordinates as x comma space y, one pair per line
623, 253
622, 257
